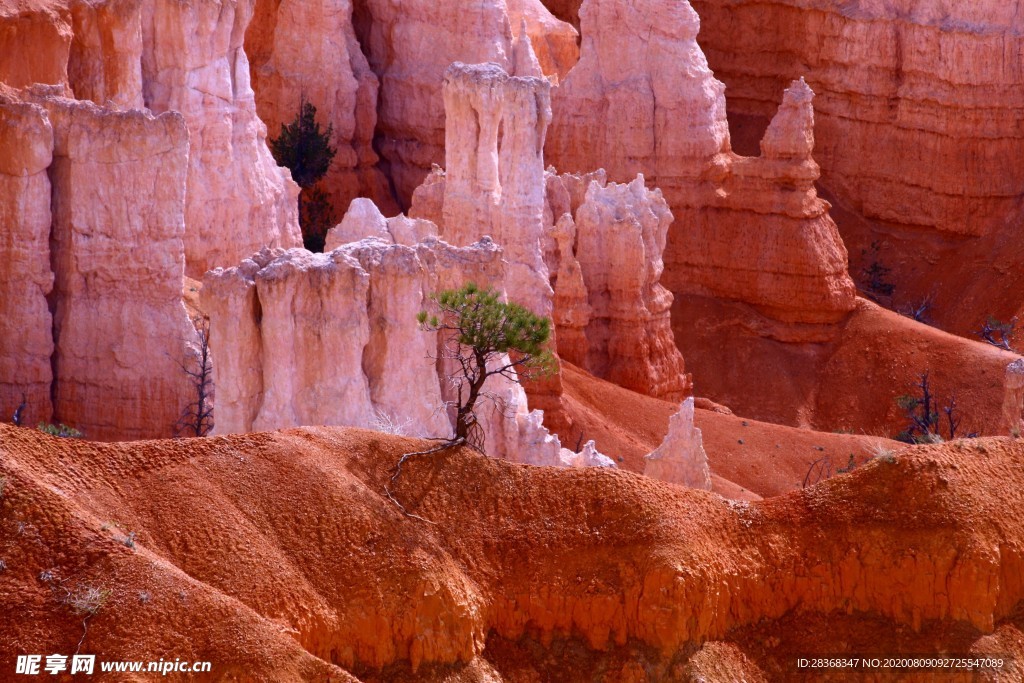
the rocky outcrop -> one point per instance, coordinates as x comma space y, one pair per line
410, 46
307, 49
555, 43
917, 101
26, 337
36, 40
120, 327
680, 459
105, 60
238, 199
363, 219
332, 339
620, 236
643, 100
494, 174
1013, 398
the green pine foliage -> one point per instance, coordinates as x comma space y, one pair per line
486, 336
303, 148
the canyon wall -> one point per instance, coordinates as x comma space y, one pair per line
300, 49
26, 336
238, 198
119, 326
917, 101
169, 56
643, 100
411, 45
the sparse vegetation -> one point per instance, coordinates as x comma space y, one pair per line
919, 310
999, 333
930, 420
481, 337
388, 424
305, 150
197, 417
485, 337
875, 275
60, 430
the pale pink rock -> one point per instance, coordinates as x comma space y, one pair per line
26, 327
642, 99
118, 184
621, 231
680, 459
552, 43
309, 48
309, 377
409, 46
588, 456
230, 300
399, 359
238, 199
363, 219
496, 186
1013, 397
572, 310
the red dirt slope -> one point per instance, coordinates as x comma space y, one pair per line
746, 456
273, 554
849, 381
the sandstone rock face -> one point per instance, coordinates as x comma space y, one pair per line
298, 48
917, 101
554, 41
36, 40
330, 338
238, 199
410, 45
642, 99
118, 183
310, 339
680, 459
105, 61
1013, 399
364, 219
621, 232
494, 182
26, 327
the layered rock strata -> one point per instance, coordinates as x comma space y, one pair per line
332, 339
238, 198
643, 100
680, 459
26, 339
411, 45
169, 56
917, 101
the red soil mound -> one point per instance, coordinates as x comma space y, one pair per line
746, 456
848, 382
272, 555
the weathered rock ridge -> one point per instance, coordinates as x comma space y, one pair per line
523, 569
116, 184
169, 56
643, 100
332, 339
